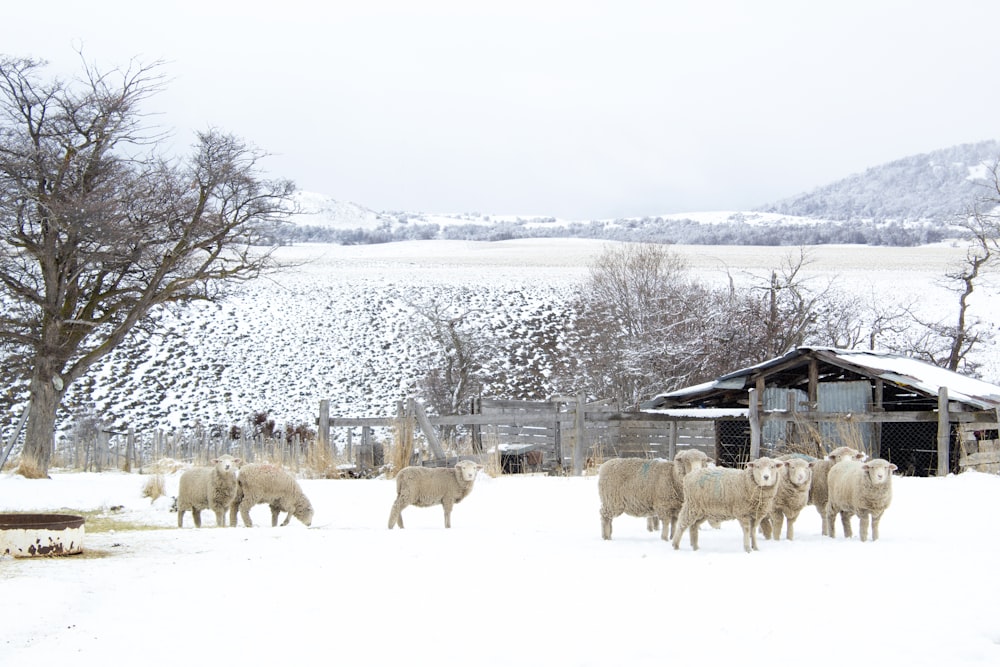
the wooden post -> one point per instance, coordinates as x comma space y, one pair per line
323, 434
878, 408
672, 440
754, 414
428, 429
580, 449
944, 433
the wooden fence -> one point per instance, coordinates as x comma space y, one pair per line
567, 431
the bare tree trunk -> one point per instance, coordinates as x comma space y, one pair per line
39, 434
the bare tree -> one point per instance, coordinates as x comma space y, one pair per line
949, 343
98, 230
456, 354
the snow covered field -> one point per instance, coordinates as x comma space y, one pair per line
522, 578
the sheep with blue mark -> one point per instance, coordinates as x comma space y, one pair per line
724, 494
653, 489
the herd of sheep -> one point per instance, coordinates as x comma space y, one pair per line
679, 495
763, 496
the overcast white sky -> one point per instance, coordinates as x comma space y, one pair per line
576, 109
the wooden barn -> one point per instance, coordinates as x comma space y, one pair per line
923, 418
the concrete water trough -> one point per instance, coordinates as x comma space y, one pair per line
31, 535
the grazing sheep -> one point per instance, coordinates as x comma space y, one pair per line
271, 484
721, 494
864, 489
426, 487
817, 489
208, 487
646, 488
795, 480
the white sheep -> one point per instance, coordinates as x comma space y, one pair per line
651, 488
864, 489
817, 489
212, 487
271, 484
795, 480
426, 487
722, 494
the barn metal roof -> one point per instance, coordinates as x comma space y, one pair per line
899, 370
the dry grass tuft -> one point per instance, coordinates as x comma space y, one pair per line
30, 469
321, 463
401, 449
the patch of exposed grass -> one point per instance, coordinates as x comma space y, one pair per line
104, 521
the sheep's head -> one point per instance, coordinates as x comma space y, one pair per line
466, 471
845, 454
798, 471
690, 460
765, 471
879, 471
303, 510
226, 463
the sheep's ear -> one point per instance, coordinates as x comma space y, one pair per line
892, 466
779, 464
811, 464
860, 456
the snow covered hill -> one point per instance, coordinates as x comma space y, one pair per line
334, 324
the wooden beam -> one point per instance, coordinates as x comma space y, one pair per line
944, 433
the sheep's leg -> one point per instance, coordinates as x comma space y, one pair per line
673, 525
233, 509
748, 525
830, 522
447, 512
275, 511
767, 527
220, 518
180, 518
875, 519
845, 521
396, 515
789, 531
245, 513
822, 516
653, 523
606, 518
863, 517
196, 515
681, 527
693, 532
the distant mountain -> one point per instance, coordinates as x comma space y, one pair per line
902, 203
932, 186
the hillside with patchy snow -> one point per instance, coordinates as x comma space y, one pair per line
336, 324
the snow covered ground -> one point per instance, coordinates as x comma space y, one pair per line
522, 578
